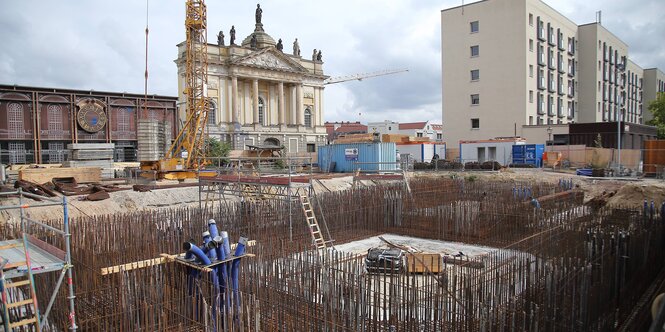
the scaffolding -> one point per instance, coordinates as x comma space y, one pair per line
37, 255
256, 178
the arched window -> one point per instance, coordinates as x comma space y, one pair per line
308, 117
212, 112
123, 119
54, 113
15, 120
261, 112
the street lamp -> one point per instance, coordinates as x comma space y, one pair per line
549, 134
620, 67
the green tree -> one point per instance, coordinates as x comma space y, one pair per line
216, 149
657, 108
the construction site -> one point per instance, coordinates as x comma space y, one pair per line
345, 238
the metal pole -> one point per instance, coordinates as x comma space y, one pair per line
288, 190
619, 142
70, 283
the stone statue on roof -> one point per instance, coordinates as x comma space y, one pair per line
253, 41
319, 56
233, 35
280, 46
314, 55
220, 38
258, 13
296, 48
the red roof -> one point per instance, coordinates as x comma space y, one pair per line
437, 127
351, 127
412, 125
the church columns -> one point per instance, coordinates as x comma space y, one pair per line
300, 117
255, 100
281, 113
234, 99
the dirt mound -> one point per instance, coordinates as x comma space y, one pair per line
634, 194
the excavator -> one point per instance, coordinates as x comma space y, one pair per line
186, 155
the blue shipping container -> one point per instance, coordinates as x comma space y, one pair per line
346, 155
529, 154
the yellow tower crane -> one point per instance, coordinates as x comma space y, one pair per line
187, 153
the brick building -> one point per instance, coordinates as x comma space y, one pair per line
36, 124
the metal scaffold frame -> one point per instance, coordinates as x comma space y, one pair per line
257, 183
58, 259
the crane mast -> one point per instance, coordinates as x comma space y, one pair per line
190, 143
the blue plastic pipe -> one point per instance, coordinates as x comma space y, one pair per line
240, 250
212, 227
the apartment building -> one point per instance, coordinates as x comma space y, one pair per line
603, 59
510, 66
506, 64
654, 83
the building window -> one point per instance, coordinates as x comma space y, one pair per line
56, 152
551, 38
550, 106
308, 117
571, 45
530, 19
530, 70
15, 120
530, 45
475, 50
439, 136
475, 123
475, 99
17, 153
531, 96
541, 29
474, 26
541, 79
311, 147
419, 134
212, 112
54, 113
262, 113
475, 74
530, 120
541, 104
541, 55
123, 120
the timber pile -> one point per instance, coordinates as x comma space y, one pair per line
35, 188
400, 138
358, 138
43, 175
69, 187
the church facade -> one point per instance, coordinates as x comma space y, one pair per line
261, 96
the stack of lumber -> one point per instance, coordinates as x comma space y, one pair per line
399, 138
394, 138
92, 155
43, 175
358, 138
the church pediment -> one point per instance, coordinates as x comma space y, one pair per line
270, 59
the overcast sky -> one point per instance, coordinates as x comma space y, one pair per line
99, 45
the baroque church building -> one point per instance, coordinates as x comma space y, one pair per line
261, 96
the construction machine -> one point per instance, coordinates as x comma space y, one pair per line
186, 155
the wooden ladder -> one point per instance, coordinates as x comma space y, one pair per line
28, 316
314, 229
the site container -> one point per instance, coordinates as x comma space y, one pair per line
345, 156
531, 154
422, 151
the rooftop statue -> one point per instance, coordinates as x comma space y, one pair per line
233, 35
280, 46
258, 14
220, 38
296, 48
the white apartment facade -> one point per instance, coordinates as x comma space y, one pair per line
506, 64
654, 83
509, 66
603, 61
415, 129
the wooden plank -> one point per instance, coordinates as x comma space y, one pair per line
165, 258
19, 303
133, 265
421, 263
43, 175
24, 322
17, 283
